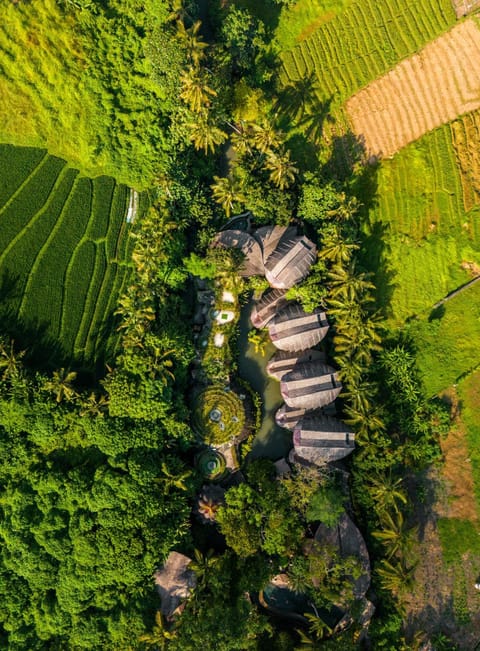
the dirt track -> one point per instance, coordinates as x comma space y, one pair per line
420, 93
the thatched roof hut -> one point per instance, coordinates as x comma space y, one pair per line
174, 582
290, 262
284, 361
269, 237
267, 306
319, 439
293, 329
310, 385
288, 417
248, 245
348, 539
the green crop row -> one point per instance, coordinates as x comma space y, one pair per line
21, 163
117, 219
103, 189
92, 299
77, 284
364, 42
19, 258
44, 291
419, 228
16, 215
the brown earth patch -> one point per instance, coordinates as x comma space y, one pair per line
464, 7
443, 598
456, 469
425, 91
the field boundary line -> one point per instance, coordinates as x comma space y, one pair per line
63, 172
71, 262
25, 182
82, 328
44, 247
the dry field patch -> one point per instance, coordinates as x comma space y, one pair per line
421, 93
466, 142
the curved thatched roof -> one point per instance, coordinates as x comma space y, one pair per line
288, 417
284, 361
318, 438
310, 385
348, 539
248, 245
174, 582
267, 306
290, 262
269, 237
294, 329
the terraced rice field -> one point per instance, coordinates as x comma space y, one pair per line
420, 240
431, 88
466, 141
363, 43
63, 254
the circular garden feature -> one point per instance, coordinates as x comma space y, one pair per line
211, 464
218, 415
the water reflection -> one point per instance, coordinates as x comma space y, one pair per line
271, 440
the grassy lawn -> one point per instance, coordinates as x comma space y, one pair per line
63, 255
448, 340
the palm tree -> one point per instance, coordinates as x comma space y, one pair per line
171, 480
281, 168
395, 577
192, 41
195, 92
265, 137
61, 385
10, 362
387, 492
227, 192
338, 250
349, 284
259, 339
202, 565
205, 135
160, 636
94, 406
394, 535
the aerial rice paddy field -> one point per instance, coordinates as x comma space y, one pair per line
64, 254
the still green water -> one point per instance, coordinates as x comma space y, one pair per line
271, 440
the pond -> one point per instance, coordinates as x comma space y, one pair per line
271, 440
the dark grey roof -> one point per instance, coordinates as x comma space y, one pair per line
253, 263
269, 237
322, 437
290, 262
310, 385
267, 306
284, 361
294, 329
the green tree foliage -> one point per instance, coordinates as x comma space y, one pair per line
83, 522
258, 516
76, 79
221, 615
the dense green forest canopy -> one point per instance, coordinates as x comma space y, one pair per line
76, 78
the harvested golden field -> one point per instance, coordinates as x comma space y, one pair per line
466, 142
425, 91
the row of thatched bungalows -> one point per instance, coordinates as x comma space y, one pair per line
307, 384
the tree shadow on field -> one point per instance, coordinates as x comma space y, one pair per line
299, 103
43, 352
353, 169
